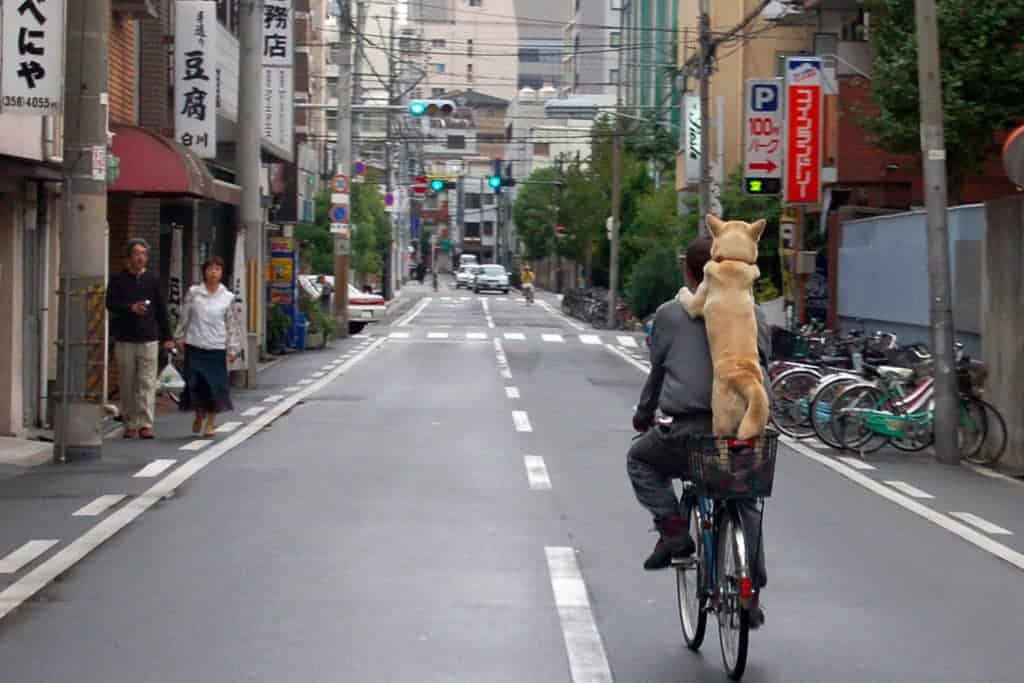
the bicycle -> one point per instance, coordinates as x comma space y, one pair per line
717, 578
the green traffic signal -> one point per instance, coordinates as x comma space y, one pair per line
494, 181
437, 184
417, 108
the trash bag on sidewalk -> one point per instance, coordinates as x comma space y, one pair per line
170, 379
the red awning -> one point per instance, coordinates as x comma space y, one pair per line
152, 165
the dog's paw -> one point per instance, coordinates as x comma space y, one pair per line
686, 299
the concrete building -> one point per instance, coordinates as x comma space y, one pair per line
650, 43
541, 42
592, 40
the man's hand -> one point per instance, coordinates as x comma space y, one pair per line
232, 356
169, 345
642, 423
138, 308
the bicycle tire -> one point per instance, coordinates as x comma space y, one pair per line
820, 415
866, 441
690, 597
788, 414
733, 620
995, 425
972, 427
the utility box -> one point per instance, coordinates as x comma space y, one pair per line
806, 262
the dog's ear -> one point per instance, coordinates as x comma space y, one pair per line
715, 224
757, 229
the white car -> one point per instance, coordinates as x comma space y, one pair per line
464, 278
363, 308
490, 276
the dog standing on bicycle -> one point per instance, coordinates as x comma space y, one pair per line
679, 389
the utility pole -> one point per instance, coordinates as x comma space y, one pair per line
343, 161
84, 239
619, 131
933, 155
250, 79
388, 171
706, 55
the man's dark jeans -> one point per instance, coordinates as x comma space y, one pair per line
658, 456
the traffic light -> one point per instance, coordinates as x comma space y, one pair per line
431, 107
496, 182
441, 184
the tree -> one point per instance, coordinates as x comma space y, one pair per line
371, 229
982, 57
535, 212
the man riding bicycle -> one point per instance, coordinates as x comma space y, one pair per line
526, 278
679, 387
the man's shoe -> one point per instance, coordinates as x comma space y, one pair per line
129, 434
146, 433
674, 541
756, 618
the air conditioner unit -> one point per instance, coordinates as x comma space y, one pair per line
138, 9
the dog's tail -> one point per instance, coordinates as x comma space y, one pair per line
751, 387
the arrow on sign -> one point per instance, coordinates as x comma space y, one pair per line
767, 166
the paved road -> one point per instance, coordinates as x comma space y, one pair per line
445, 500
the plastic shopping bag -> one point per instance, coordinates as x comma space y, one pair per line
170, 379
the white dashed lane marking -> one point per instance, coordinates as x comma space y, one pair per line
856, 463
253, 412
437, 335
99, 506
983, 524
537, 473
197, 445
399, 335
154, 468
512, 392
476, 335
552, 338
273, 399
24, 555
515, 336
590, 339
228, 427
521, 421
588, 662
908, 490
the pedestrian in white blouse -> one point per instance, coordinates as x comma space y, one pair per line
210, 334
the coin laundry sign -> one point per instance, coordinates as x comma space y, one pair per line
32, 78
195, 117
804, 99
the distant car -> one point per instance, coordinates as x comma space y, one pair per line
490, 276
363, 308
464, 278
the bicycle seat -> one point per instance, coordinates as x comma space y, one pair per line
894, 372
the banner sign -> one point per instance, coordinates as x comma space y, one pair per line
763, 148
691, 105
278, 46
239, 283
174, 277
804, 127
195, 77
32, 78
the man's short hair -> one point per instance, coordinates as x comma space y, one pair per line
136, 242
697, 256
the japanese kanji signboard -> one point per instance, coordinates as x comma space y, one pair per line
804, 108
278, 87
195, 85
762, 145
32, 79
691, 107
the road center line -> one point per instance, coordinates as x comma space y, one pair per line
37, 579
25, 554
154, 468
537, 473
512, 392
521, 421
99, 506
487, 313
588, 662
503, 367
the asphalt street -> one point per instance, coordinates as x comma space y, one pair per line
445, 499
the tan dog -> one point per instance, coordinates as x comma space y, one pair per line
725, 299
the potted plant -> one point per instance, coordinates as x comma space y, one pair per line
277, 331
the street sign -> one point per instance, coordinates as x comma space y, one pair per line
691, 103
339, 213
341, 229
389, 202
359, 168
762, 145
419, 185
340, 198
804, 127
339, 183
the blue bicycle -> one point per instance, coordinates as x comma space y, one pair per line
717, 578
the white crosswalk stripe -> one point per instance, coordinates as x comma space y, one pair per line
590, 339
552, 338
628, 342
437, 335
515, 336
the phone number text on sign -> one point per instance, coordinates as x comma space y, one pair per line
42, 104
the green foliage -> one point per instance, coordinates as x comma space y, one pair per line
318, 320
982, 58
317, 249
653, 279
765, 290
535, 212
370, 232
277, 327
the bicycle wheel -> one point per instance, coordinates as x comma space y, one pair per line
820, 408
848, 423
690, 594
733, 619
994, 445
790, 392
972, 428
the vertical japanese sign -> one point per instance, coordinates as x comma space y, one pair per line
804, 142
691, 105
762, 149
278, 86
238, 286
195, 85
32, 78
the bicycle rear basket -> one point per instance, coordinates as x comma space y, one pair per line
723, 467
